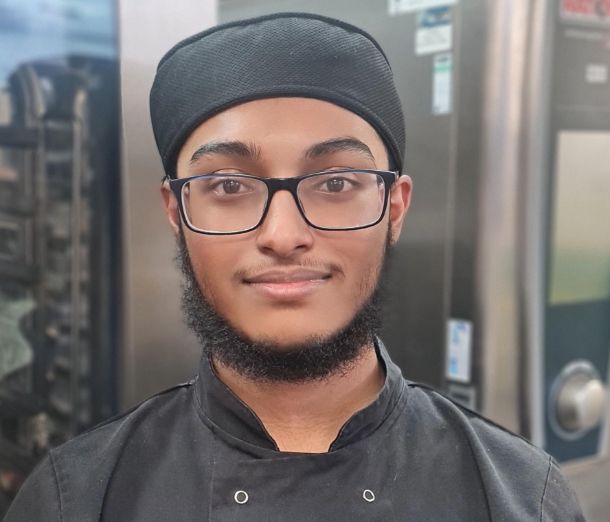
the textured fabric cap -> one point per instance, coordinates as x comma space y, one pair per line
285, 54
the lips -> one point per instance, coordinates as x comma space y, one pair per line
287, 285
285, 277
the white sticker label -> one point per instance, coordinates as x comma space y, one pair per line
441, 83
434, 31
597, 73
408, 6
459, 350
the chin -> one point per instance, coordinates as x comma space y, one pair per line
284, 341
286, 337
294, 328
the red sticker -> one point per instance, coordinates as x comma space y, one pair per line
586, 10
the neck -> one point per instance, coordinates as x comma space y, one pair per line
306, 417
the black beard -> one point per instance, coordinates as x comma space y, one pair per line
314, 359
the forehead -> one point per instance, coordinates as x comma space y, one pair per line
289, 124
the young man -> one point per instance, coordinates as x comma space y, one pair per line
282, 138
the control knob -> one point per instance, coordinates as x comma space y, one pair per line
580, 398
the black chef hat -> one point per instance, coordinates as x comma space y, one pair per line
284, 54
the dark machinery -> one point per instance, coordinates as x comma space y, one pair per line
58, 253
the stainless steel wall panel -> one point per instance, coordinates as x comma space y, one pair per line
159, 351
497, 306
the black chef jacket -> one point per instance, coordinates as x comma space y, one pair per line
196, 452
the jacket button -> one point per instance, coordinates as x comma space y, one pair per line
368, 495
241, 497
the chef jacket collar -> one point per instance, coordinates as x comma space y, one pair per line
232, 419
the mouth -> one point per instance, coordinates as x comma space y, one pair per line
287, 285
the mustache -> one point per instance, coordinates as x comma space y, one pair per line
304, 264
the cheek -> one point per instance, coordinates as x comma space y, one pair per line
212, 259
361, 253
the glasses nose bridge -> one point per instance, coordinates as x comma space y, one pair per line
275, 185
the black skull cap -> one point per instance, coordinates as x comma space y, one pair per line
279, 55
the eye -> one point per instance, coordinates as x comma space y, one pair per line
335, 184
231, 186
228, 186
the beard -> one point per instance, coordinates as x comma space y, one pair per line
315, 358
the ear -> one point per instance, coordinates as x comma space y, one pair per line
171, 206
400, 199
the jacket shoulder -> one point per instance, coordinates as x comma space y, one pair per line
476, 428
105, 439
71, 481
516, 475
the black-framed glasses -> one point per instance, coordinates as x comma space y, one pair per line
222, 204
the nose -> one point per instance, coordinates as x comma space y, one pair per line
284, 233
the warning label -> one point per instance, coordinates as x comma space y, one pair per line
588, 11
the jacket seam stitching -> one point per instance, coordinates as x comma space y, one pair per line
55, 476
474, 458
111, 475
476, 462
212, 480
546, 482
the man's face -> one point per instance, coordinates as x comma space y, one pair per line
286, 282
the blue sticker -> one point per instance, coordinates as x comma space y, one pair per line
434, 17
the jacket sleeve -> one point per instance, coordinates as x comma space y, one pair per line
559, 502
38, 498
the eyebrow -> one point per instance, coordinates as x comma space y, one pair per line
252, 151
227, 148
347, 144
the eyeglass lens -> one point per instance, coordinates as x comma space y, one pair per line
226, 203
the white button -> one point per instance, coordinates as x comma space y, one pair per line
368, 495
241, 497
